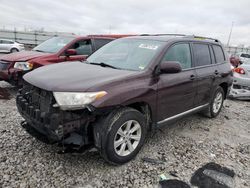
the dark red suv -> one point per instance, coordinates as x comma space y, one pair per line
122, 91
54, 50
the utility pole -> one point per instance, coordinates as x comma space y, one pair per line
229, 37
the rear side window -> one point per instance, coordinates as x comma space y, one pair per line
219, 55
101, 42
180, 53
201, 54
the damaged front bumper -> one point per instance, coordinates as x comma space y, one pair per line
49, 124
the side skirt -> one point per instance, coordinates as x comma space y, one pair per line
181, 115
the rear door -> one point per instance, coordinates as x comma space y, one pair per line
176, 92
206, 70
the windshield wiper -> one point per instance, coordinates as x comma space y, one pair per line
103, 65
38, 50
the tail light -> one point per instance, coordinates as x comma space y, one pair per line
239, 70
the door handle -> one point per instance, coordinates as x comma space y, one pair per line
216, 72
192, 77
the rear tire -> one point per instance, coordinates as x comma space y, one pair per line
216, 104
13, 50
121, 135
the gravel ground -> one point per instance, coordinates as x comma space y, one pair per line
184, 147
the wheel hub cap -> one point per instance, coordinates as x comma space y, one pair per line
217, 102
127, 138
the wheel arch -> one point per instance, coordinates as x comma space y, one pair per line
145, 109
224, 86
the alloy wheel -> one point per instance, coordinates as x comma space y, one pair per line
127, 138
217, 102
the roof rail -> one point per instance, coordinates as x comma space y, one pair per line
183, 35
167, 34
202, 38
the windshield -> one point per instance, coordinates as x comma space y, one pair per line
129, 54
53, 45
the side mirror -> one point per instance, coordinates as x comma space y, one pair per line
170, 67
70, 52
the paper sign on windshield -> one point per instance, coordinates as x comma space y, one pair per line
148, 46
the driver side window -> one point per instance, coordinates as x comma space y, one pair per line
180, 53
83, 47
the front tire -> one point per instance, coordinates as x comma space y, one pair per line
216, 104
123, 134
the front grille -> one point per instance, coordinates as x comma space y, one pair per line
38, 98
36, 104
4, 65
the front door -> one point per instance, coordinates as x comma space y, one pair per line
83, 50
176, 92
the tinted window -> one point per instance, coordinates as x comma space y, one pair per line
101, 42
201, 54
83, 47
180, 53
219, 55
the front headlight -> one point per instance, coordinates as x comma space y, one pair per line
23, 65
75, 100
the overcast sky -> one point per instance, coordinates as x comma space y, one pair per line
208, 17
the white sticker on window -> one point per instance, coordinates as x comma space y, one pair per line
148, 46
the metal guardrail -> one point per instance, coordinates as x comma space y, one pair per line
234, 49
29, 38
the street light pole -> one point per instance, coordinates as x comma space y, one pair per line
229, 37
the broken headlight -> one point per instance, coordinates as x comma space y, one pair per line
76, 100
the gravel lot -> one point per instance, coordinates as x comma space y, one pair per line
184, 147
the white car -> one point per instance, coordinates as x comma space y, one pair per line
10, 46
241, 82
243, 56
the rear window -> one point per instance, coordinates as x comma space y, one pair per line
219, 55
201, 54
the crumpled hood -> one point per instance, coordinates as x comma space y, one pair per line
23, 56
74, 76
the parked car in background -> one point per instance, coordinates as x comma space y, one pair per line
10, 46
241, 81
243, 56
125, 89
54, 50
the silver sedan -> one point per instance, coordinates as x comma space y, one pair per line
241, 82
10, 46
